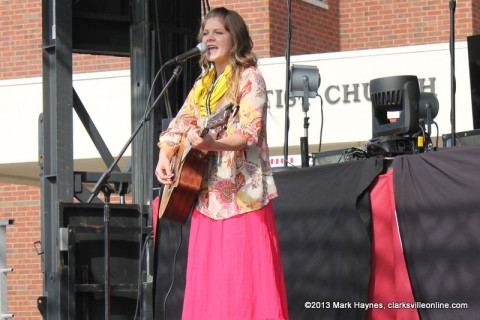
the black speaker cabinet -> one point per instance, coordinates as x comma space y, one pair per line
82, 241
464, 138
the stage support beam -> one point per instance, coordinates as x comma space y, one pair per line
55, 147
141, 78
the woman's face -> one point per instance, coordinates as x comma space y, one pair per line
219, 43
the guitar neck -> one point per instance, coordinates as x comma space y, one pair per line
218, 119
203, 132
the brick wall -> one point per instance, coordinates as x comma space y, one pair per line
20, 39
345, 25
21, 44
314, 29
380, 23
475, 16
256, 16
24, 285
91, 63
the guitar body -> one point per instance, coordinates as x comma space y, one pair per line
179, 198
189, 167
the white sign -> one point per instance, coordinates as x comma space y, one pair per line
345, 76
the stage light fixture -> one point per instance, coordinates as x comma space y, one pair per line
396, 95
399, 115
304, 83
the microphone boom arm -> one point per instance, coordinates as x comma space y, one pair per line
106, 175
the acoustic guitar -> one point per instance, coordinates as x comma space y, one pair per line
188, 167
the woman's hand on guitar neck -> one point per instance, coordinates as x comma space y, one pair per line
163, 171
209, 143
202, 143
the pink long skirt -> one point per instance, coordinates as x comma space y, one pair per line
234, 270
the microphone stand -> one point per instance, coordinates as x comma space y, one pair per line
102, 185
304, 140
452, 6
287, 85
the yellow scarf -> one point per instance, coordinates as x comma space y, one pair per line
212, 90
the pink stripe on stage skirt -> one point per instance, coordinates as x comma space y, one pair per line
234, 270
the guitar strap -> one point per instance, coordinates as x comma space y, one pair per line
209, 95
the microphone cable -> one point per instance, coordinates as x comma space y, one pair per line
321, 123
173, 273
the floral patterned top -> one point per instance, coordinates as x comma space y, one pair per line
236, 182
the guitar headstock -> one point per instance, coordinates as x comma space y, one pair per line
219, 118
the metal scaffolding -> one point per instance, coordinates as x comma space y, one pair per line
4, 270
148, 32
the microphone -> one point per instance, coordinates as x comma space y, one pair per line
198, 50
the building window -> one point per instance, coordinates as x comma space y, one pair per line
318, 3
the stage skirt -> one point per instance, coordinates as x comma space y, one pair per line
234, 270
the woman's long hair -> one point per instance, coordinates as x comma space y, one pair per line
241, 55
